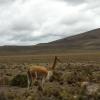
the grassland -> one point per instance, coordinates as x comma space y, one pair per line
67, 82
69, 56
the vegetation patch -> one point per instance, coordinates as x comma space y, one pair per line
19, 80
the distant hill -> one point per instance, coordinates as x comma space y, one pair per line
85, 41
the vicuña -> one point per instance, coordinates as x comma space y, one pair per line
40, 73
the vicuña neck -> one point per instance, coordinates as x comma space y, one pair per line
55, 62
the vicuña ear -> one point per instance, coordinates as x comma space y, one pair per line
55, 56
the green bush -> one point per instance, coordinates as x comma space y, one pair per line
19, 80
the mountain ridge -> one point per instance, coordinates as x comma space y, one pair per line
89, 40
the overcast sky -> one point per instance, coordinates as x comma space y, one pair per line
28, 22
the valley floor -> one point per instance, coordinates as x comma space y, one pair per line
76, 78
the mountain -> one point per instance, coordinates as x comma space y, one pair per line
85, 41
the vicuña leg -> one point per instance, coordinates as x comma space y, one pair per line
43, 81
29, 80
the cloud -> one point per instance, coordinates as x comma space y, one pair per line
27, 22
75, 2
6, 2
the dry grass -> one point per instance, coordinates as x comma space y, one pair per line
66, 84
87, 57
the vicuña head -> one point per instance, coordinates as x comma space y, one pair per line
40, 73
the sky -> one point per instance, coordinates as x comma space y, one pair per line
29, 22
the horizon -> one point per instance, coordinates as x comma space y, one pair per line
53, 40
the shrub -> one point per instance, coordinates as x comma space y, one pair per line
19, 80
2, 96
